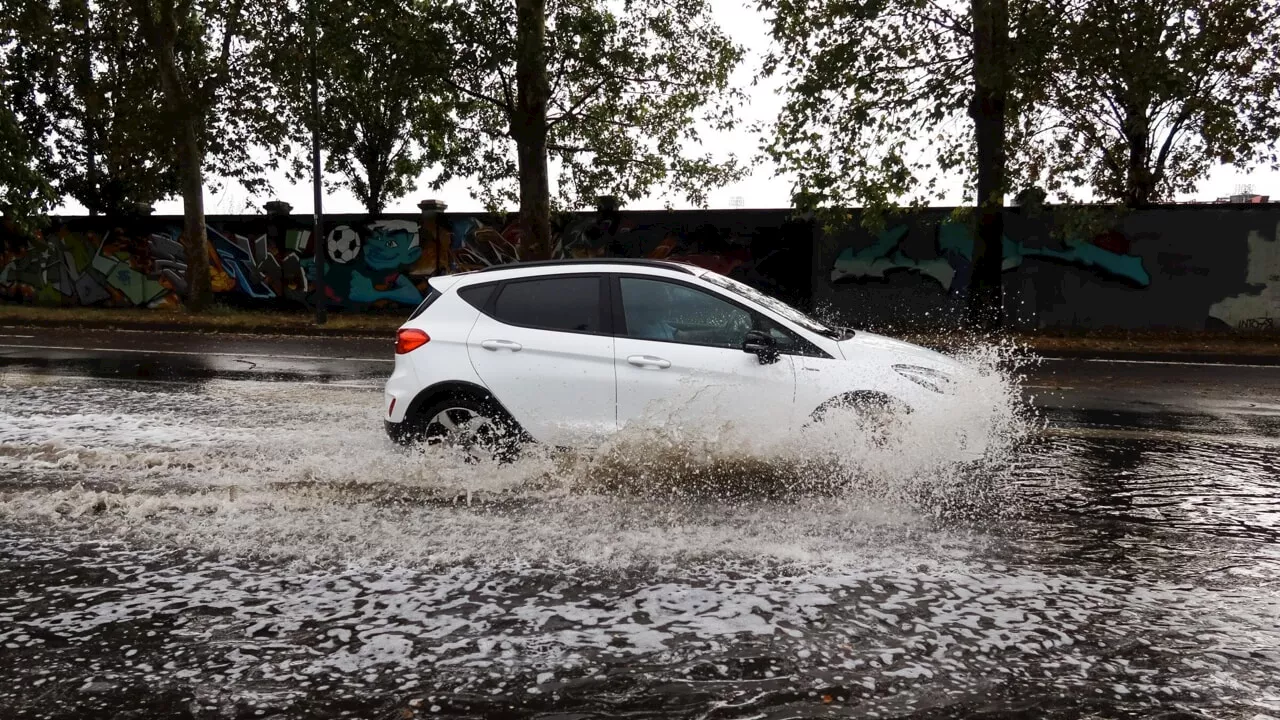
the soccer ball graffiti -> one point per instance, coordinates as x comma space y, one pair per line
344, 245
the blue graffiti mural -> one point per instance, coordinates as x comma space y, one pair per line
368, 263
955, 254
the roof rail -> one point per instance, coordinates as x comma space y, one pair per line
664, 264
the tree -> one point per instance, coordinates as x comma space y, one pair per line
386, 114
212, 70
25, 194
25, 125
1147, 95
990, 20
885, 98
609, 95
101, 93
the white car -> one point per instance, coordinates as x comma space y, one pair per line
566, 352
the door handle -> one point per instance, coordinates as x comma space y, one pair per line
649, 361
496, 345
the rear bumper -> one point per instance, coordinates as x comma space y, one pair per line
400, 390
399, 432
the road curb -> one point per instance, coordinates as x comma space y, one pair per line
1138, 356
1172, 358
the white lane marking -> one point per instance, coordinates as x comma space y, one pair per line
204, 332
341, 384
1161, 362
195, 354
16, 336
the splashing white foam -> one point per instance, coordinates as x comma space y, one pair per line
306, 472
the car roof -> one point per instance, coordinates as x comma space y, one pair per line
588, 262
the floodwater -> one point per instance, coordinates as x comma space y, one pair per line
246, 549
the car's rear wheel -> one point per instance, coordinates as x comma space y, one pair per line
477, 427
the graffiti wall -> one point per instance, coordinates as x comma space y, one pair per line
1194, 267
1191, 267
382, 263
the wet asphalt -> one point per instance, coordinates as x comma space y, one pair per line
1069, 384
215, 526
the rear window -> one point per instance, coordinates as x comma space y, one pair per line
570, 304
477, 295
432, 296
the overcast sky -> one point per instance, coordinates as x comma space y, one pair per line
762, 189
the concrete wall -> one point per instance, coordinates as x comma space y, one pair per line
1180, 266
1189, 267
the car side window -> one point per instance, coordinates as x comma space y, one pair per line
788, 342
658, 310
569, 304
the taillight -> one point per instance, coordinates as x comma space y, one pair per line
410, 340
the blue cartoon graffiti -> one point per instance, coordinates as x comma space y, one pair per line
955, 253
368, 263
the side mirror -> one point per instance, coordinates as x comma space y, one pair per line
762, 345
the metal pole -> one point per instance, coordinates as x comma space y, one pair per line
318, 222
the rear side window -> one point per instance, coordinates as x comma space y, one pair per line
477, 295
432, 296
570, 304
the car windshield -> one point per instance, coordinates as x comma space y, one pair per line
747, 292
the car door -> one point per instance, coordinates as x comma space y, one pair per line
680, 362
543, 347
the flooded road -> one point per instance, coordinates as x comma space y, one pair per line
236, 547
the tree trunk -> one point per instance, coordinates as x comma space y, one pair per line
1139, 187
990, 69
195, 240
184, 117
529, 126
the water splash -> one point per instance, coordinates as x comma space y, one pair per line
263, 468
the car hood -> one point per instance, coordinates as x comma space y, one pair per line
864, 343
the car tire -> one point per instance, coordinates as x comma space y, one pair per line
878, 414
478, 426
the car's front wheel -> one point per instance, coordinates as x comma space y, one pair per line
477, 427
876, 414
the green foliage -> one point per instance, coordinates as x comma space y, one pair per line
25, 126
385, 116
630, 83
99, 90
225, 51
25, 195
1130, 101
878, 97
1145, 97
223, 82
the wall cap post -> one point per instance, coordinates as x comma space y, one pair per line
277, 207
608, 204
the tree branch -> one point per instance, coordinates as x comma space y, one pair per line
1183, 117
567, 149
576, 106
223, 69
505, 107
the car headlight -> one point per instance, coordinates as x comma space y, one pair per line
927, 377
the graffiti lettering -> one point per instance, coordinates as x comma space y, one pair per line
371, 264
1262, 302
